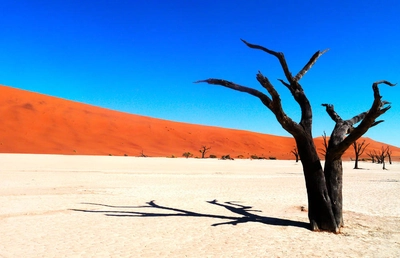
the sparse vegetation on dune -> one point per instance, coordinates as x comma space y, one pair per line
83, 132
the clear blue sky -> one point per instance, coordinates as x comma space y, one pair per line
142, 57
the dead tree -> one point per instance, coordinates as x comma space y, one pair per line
325, 143
372, 156
324, 186
359, 149
389, 155
380, 156
187, 154
142, 154
203, 150
296, 154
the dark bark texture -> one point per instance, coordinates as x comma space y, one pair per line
324, 186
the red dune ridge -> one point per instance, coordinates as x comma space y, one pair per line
36, 123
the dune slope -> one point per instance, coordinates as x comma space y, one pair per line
36, 123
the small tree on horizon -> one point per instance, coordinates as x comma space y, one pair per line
142, 154
203, 150
324, 185
381, 155
359, 149
187, 154
325, 144
372, 156
296, 154
389, 155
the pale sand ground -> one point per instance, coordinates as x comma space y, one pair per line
86, 206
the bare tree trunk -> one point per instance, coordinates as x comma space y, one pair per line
320, 211
356, 153
356, 163
334, 176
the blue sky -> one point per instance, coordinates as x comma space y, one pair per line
142, 57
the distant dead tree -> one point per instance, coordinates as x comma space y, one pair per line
324, 186
296, 154
325, 143
372, 156
187, 154
226, 157
378, 157
381, 155
389, 155
359, 149
203, 150
142, 154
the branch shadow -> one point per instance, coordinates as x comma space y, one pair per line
238, 209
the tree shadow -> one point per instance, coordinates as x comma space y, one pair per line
238, 209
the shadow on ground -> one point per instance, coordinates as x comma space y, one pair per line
242, 212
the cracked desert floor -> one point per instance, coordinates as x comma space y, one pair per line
100, 206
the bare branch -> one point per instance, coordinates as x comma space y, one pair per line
338, 142
377, 122
284, 83
332, 113
276, 105
264, 98
357, 118
293, 85
278, 55
368, 121
385, 82
269, 87
310, 63
359, 148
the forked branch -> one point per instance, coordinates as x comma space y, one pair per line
264, 98
332, 113
274, 102
278, 55
378, 108
366, 119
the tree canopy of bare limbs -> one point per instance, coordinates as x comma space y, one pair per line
359, 149
381, 155
324, 185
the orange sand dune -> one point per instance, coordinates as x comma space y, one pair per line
36, 123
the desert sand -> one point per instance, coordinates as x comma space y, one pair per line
41, 124
100, 206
